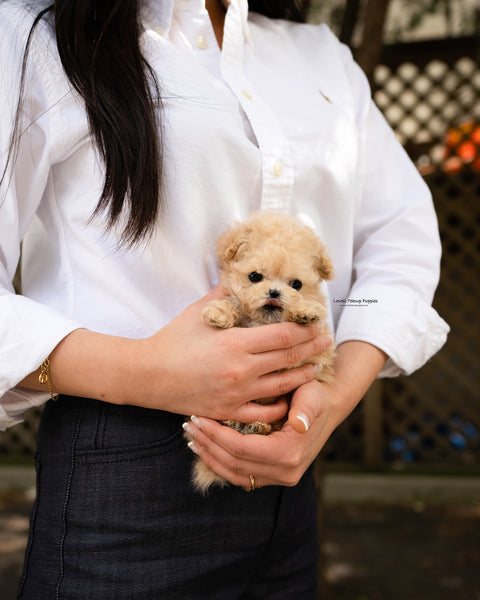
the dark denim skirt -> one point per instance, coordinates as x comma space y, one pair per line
116, 517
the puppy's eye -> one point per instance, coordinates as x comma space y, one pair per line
255, 277
296, 284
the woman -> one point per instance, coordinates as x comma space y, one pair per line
225, 111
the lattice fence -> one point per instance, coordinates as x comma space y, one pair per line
430, 94
20, 440
434, 415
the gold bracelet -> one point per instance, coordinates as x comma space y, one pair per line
45, 377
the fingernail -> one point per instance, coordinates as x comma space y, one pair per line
330, 339
196, 421
192, 447
304, 419
188, 428
317, 369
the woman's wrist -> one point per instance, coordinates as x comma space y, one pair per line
323, 406
357, 366
92, 365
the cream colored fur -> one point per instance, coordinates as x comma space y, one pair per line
284, 252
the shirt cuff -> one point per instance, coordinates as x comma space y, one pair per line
29, 332
14, 404
410, 334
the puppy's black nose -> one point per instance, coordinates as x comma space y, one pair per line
274, 294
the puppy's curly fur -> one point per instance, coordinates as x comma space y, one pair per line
271, 267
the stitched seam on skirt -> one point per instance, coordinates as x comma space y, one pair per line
101, 425
65, 504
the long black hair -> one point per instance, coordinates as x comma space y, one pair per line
98, 44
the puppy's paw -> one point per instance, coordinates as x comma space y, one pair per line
257, 427
221, 314
306, 319
237, 425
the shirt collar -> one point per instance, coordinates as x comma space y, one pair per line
157, 14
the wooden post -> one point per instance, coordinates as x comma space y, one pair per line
349, 21
372, 426
369, 52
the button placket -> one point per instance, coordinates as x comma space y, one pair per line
278, 169
277, 165
274, 148
201, 42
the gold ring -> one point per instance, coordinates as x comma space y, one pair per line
252, 484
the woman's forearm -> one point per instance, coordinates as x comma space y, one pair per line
356, 367
92, 365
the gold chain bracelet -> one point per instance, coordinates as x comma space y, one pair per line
45, 377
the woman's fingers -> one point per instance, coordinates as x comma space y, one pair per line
285, 358
273, 459
284, 345
283, 382
267, 413
227, 453
220, 462
277, 336
276, 368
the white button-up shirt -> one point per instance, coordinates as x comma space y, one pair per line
280, 120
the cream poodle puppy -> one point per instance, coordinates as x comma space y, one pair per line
271, 267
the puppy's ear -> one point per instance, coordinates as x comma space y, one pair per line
322, 264
231, 243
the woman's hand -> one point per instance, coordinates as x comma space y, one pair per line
282, 457
193, 368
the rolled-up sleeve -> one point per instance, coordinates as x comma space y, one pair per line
396, 261
28, 330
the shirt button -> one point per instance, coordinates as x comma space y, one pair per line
278, 169
201, 42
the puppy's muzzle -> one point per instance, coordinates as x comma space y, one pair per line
273, 301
